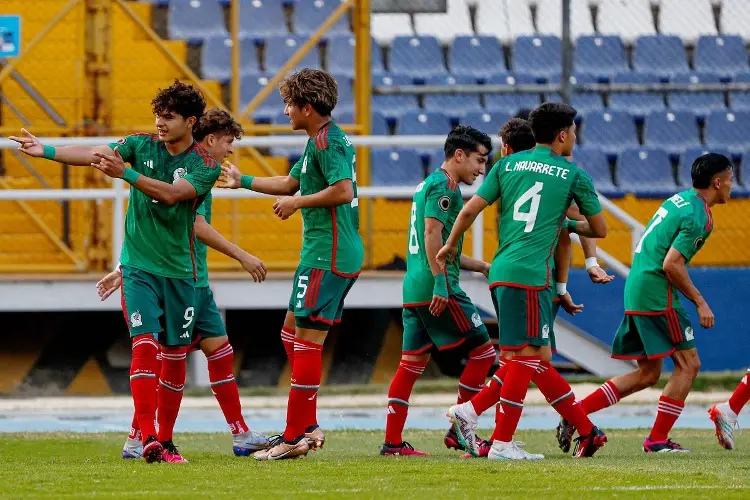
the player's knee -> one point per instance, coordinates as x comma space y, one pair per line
693, 367
416, 358
649, 376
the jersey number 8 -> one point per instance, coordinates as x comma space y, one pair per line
413, 240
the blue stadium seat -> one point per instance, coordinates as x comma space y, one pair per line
378, 121
723, 55
740, 100
418, 57
309, 15
393, 106
345, 102
595, 163
195, 20
272, 106
538, 56
699, 103
454, 105
729, 130
487, 122
511, 104
645, 172
688, 157
609, 131
660, 55
396, 167
260, 19
479, 57
216, 58
340, 53
584, 102
435, 158
672, 130
638, 104
600, 56
279, 49
424, 123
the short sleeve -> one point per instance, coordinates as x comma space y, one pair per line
127, 147
585, 195
204, 175
334, 163
490, 188
438, 203
202, 208
296, 170
690, 238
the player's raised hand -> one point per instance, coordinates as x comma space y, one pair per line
108, 285
599, 275
29, 144
112, 165
255, 267
438, 305
445, 255
285, 207
706, 315
570, 307
231, 177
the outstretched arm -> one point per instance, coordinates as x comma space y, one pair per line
471, 264
596, 273
283, 185
72, 155
339, 193
212, 238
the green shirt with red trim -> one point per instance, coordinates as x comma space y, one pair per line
438, 197
331, 239
159, 239
535, 188
201, 250
682, 222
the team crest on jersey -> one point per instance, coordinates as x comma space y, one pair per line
689, 333
444, 203
698, 243
135, 319
545, 332
122, 141
476, 319
178, 174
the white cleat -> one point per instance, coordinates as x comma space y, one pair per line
247, 443
725, 421
133, 449
465, 420
511, 451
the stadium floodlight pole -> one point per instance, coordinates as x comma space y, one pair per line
567, 53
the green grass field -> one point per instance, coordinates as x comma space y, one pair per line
89, 466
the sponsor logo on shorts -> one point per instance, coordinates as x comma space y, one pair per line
178, 174
444, 203
689, 333
476, 319
545, 332
135, 319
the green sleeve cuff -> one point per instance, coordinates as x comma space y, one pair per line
441, 286
49, 152
571, 226
130, 176
247, 181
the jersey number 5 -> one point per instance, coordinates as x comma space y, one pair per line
528, 217
660, 215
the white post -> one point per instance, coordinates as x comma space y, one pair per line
118, 219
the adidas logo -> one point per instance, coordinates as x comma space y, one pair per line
185, 335
391, 411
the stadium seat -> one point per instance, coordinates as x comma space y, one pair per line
445, 26
216, 58
435, 158
729, 130
661, 55
584, 102
627, 18
740, 100
379, 123
733, 18
480, 57
280, 49
600, 56
505, 20
340, 55
345, 102
511, 104
195, 20
393, 106
260, 19
454, 105
699, 103
538, 56
595, 163
271, 107
386, 27
687, 19
311, 14
645, 172
487, 122
723, 55
672, 130
688, 157
417, 57
549, 18
609, 131
417, 122
396, 167
638, 104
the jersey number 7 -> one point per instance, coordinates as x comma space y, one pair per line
660, 215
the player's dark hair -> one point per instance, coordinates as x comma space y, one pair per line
550, 119
217, 122
467, 139
311, 86
180, 98
705, 167
517, 134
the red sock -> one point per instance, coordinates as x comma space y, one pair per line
287, 338
171, 386
135, 429
143, 379
303, 395
605, 396
224, 387
398, 399
513, 392
741, 395
475, 372
560, 396
490, 393
669, 411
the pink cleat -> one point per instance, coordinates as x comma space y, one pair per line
171, 454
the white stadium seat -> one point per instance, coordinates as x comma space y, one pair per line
735, 18
505, 19
445, 27
687, 19
549, 17
627, 18
386, 27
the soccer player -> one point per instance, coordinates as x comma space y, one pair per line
216, 131
656, 324
534, 189
724, 415
170, 175
332, 250
437, 312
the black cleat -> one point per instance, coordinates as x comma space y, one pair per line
565, 431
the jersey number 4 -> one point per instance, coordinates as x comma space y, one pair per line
532, 194
660, 215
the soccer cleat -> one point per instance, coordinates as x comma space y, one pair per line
483, 447
315, 436
465, 425
172, 454
152, 450
133, 448
511, 451
403, 449
667, 446
586, 446
249, 442
283, 450
725, 421
565, 431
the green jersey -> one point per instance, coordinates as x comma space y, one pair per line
159, 238
331, 239
682, 222
201, 250
438, 197
535, 188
